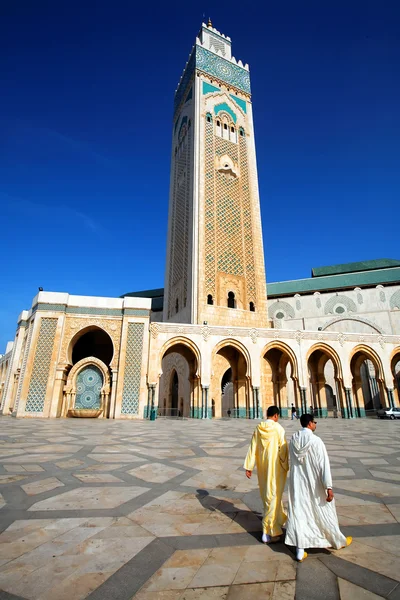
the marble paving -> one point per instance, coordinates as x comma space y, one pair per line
163, 511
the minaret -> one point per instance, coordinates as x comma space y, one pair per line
215, 261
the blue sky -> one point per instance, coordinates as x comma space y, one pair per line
85, 134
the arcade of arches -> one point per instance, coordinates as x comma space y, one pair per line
230, 393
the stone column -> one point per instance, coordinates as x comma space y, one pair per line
148, 408
303, 399
254, 409
205, 402
55, 409
351, 412
153, 409
390, 396
114, 379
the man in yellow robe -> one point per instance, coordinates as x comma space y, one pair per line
269, 452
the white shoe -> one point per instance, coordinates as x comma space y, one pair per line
266, 538
300, 554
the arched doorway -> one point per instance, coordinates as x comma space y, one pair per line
279, 380
174, 395
326, 391
95, 342
179, 386
227, 395
230, 386
395, 367
368, 388
91, 348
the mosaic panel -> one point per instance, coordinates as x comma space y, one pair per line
248, 226
209, 211
179, 246
222, 69
228, 216
91, 310
344, 300
88, 387
25, 351
41, 366
133, 365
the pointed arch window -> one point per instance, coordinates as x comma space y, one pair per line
210, 299
252, 307
231, 300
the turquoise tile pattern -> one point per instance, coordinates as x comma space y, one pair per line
41, 366
88, 387
133, 364
214, 65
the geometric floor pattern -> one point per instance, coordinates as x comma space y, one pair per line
163, 511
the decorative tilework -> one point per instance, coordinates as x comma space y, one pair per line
8, 376
52, 307
240, 102
91, 310
395, 300
341, 300
281, 306
88, 387
25, 352
214, 65
229, 244
225, 107
179, 245
222, 69
41, 366
133, 364
208, 88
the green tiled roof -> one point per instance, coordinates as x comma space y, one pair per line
345, 280
365, 265
157, 297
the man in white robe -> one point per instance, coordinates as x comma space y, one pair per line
312, 519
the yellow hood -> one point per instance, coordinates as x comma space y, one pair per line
268, 430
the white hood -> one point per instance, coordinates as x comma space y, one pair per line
301, 442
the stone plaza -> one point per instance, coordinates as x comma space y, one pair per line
163, 511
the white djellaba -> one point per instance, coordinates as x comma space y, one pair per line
312, 521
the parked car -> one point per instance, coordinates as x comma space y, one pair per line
388, 413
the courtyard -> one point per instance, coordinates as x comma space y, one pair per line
162, 510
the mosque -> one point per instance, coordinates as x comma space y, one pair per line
216, 342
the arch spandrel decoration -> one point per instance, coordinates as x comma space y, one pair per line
74, 327
70, 387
